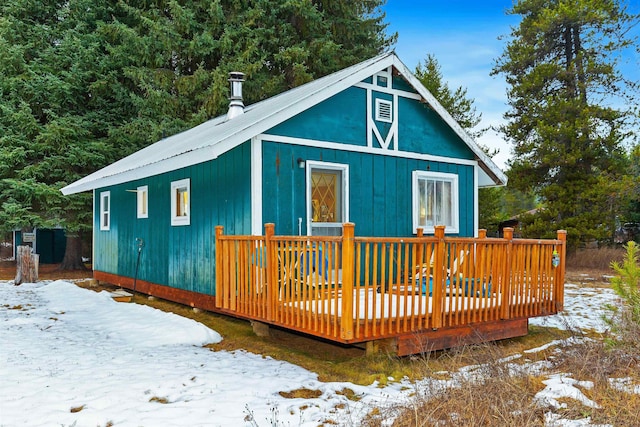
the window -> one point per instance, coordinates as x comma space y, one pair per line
105, 210
382, 79
328, 192
180, 204
435, 201
143, 201
384, 110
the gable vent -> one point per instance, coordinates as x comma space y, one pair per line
384, 110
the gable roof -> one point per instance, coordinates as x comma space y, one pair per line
216, 136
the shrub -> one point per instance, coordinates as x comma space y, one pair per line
625, 322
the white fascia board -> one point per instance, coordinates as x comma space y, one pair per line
485, 161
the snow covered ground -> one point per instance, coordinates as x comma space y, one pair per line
74, 357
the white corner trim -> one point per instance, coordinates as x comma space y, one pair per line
256, 186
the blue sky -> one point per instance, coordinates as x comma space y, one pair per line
463, 36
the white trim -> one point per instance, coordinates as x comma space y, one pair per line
344, 168
256, 186
476, 203
363, 149
186, 218
142, 201
417, 175
390, 91
394, 126
369, 120
105, 226
93, 221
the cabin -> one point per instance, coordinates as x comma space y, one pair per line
255, 214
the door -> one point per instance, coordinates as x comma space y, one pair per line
327, 198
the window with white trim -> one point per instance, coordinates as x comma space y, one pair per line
143, 201
384, 110
105, 210
435, 201
180, 203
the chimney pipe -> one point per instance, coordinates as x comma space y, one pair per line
236, 106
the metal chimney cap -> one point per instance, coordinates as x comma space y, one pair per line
236, 76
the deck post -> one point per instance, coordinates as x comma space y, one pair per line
218, 287
507, 275
559, 292
346, 320
439, 276
272, 270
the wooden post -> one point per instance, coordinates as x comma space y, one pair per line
480, 287
560, 270
219, 268
348, 243
26, 266
419, 264
272, 270
439, 277
507, 275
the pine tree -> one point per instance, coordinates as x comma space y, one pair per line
84, 83
456, 102
561, 65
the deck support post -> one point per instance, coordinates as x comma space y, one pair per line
348, 264
559, 276
260, 329
388, 345
439, 276
507, 275
218, 287
272, 270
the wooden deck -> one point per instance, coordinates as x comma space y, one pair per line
412, 294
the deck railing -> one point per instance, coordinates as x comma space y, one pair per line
356, 289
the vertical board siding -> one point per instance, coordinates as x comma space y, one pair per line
341, 118
380, 189
182, 257
420, 129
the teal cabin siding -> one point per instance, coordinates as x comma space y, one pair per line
182, 257
380, 198
380, 182
341, 118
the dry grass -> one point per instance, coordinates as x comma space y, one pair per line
301, 393
489, 393
599, 363
597, 259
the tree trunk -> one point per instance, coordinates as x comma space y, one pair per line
26, 266
73, 254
